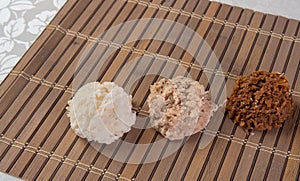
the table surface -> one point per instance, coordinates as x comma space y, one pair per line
38, 94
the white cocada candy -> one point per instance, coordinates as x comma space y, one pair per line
101, 112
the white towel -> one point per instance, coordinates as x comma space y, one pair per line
286, 8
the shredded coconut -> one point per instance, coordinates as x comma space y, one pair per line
179, 107
101, 112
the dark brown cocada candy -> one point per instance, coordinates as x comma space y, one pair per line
260, 101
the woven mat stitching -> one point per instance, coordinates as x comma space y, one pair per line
147, 53
214, 20
62, 159
139, 51
146, 113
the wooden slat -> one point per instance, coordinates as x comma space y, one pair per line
283, 135
172, 53
131, 9
246, 153
36, 139
142, 170
154, 46
242, 17
29, 118
230, 15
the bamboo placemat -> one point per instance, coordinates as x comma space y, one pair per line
36, 139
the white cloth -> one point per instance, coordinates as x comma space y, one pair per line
21, 22
286, 8
6, 177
